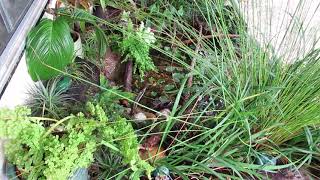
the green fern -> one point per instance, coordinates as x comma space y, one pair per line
40, 154
124, 140
57, 152
136, 45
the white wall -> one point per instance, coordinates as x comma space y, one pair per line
269, 21
16, 92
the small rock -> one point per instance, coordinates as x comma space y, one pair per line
127, 111
161, 173
165, 113
140, 116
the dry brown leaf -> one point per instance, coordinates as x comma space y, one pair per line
150, 116
152, 154
84, 3
152, 141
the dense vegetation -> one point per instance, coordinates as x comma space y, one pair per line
165, 89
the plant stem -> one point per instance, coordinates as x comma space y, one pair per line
128, 76
137, 100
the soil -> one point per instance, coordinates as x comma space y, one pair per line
287, 174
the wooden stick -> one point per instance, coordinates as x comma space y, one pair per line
128, 76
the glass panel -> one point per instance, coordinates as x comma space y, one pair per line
4, 35
12, 11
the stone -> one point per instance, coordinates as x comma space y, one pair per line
140, 116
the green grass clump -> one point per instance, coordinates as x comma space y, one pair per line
266, 102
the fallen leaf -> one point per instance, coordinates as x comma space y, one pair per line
84, 3
150, 116
152, 141
152, 154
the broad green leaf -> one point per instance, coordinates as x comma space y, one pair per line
49, 47
79, 15
64, 84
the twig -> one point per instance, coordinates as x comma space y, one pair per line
77, 23
128, 76
137, 100
99, 12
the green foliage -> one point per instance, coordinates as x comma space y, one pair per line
123, 139
266, 103
136, 45
101, 41
266, 109
69, 144
50, 99
109, 98
95, 41
296, 101
109, 163
90, 47
42, 154
95, 46
49, 47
